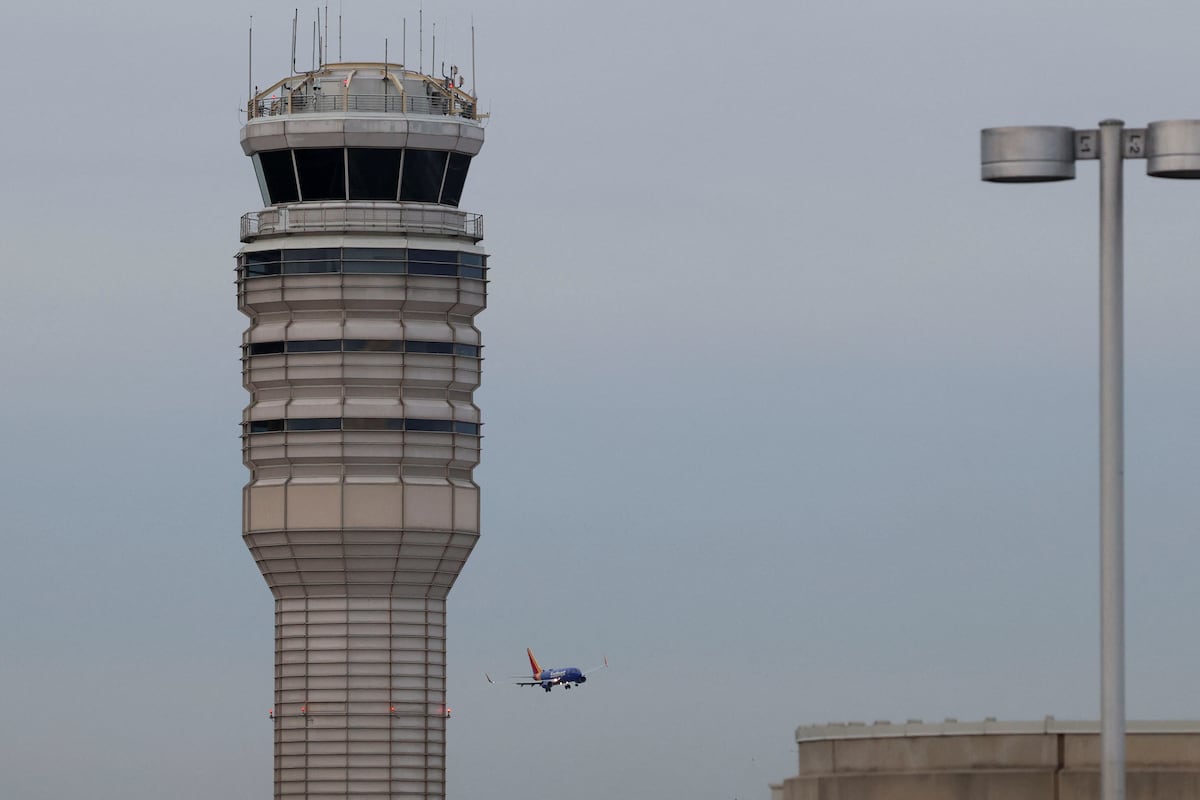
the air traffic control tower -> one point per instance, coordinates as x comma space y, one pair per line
361, 279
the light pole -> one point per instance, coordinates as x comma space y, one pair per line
1031, 154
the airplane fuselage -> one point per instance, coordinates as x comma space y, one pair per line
565, 676
549, 678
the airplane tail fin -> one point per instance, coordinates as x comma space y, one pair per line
537, 670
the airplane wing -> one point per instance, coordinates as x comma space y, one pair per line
593, 669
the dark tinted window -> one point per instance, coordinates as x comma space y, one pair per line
265, 348
422, 178
365, 424
385, 260
376, 267
315, 346
428, 347
322, 173
375, 253
456, 177
373, 345
429, 425
362, 346
265, 262
311, 259
280, 175
326, 424
432, 269
374, 173
433, 262
435, 256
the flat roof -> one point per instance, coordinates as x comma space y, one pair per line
951, 727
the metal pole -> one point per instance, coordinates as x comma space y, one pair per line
1112, 466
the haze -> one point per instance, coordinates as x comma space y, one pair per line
787, 413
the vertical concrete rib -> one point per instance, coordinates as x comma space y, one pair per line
362, 280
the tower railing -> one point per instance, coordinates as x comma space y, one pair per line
336, 102
359, 218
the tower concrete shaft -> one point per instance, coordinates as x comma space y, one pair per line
361, 279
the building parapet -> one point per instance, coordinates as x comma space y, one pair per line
951, 727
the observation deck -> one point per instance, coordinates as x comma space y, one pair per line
365, 88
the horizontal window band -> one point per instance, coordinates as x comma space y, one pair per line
364, 261
362, 173
334, 268
362, 346
363, 424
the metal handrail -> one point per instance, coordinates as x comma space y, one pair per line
437, 106
359, 219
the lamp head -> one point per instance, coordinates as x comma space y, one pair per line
1027, 154
1173, 149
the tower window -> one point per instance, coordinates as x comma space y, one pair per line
280, 175
363, 173
374, 172
322, 173
423, 173
456, 178
364, 424
362, 346
363, 260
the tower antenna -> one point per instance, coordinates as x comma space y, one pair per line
421, 38
250, 63
314, 47
385, 73
339, 30
295, 19
404, 43
325, 57
320, 59
433, 58
474, 91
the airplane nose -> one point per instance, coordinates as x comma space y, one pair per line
583, 679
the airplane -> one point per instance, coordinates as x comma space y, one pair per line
549, 678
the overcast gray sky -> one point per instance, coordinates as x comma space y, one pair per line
788, 414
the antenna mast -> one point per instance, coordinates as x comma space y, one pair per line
433, 58
314, 48
421, 39
339, 30
295, 19
325, 57
474, 91
250, 63
404, 43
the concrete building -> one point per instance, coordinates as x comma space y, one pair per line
361, 279
989, 760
